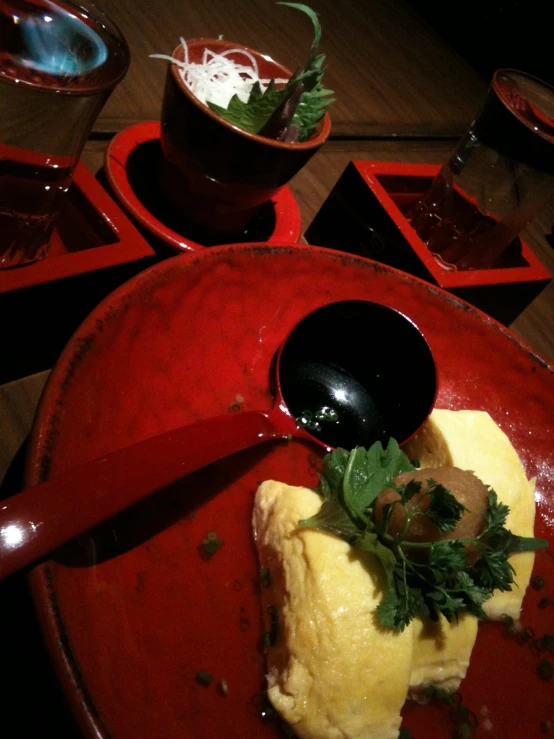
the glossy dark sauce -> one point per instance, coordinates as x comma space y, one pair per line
368, 364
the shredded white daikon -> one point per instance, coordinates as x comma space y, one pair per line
217, 78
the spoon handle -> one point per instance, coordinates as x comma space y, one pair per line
38, 520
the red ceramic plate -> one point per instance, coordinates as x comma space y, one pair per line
132, 611
137, 147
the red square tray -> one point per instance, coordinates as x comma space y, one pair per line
365, 214
92, 233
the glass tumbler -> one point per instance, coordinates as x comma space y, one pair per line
59, 62
496, 180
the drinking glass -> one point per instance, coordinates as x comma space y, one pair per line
496, 180
59, 62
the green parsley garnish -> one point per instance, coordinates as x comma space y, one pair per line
290, 113
441, 581
204, 678
210, 544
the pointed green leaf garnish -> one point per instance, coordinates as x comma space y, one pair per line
439, 580
269, 109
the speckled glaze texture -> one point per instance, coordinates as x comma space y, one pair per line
132, 611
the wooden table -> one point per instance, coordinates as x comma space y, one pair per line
401, 95
391, 74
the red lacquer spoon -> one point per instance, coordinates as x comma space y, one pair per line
340, 380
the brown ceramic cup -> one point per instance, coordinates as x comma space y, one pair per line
216, 174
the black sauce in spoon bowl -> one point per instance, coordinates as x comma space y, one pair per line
356, 372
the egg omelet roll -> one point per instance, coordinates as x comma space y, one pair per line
442, 651
471, 440
333, 671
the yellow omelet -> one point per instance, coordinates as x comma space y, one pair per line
471, 440
333, 671
441, 652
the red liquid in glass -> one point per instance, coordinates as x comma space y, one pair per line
453, 228
456, 223
30, 199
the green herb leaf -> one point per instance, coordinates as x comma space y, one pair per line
493, 570
358, 492
444, 509
475, 595
333, 519
253, 115
369, 542
447, 602
496, 514
256, 93
439, 582
525, 544
407, 492
314, 19
334, 467
401, 603
350, 482
388, 610
263, 107
311, 109
314, 101
447, 556
367, 473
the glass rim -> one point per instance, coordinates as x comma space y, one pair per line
98, 15
517, 114
513, 70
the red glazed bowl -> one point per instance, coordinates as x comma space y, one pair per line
217, 173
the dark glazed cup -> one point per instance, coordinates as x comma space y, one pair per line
216, 174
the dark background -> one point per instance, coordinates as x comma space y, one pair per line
490, 34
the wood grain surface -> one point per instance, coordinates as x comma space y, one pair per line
390, 72
18, 401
